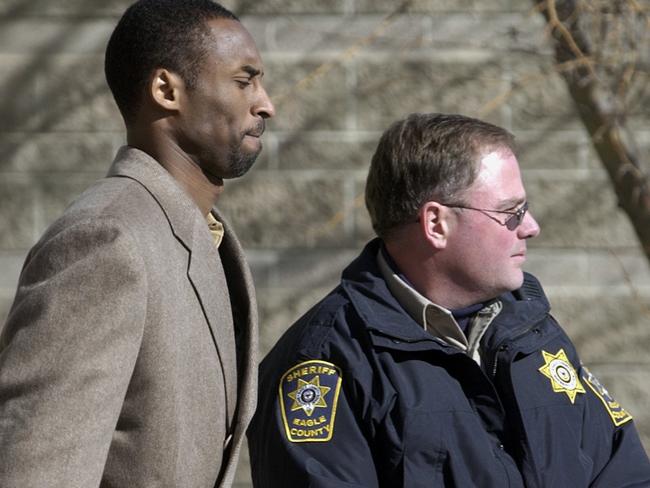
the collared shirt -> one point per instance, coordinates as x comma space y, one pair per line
216, 229
438, 320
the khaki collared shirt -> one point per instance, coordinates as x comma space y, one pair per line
437, 320
216, 229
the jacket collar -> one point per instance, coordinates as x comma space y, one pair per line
373, 300
436, 320
369, 293
523, 311
178, 206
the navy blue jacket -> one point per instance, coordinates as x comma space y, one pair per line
356, 393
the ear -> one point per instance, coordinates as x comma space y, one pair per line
434, 224
166, 88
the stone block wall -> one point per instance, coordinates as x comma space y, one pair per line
339, 71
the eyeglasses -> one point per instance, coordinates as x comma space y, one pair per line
511, 223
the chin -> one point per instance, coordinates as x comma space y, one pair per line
239, 163
241, 167
509, 283
516, 281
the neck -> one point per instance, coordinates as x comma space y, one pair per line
201, 187
423, 269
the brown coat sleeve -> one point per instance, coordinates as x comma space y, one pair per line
67, 352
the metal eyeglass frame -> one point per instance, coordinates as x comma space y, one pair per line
511, 223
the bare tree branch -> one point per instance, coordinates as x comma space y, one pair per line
599, 105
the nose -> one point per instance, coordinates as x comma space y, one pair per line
263, 105
529, 228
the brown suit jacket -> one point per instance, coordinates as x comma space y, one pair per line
129, 357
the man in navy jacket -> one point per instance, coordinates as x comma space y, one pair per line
435, 362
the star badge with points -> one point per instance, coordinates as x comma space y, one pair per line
563, 376
308, 395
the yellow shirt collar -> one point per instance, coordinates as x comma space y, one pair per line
216, 229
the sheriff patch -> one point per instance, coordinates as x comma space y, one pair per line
563, 376
309, 393
617, 413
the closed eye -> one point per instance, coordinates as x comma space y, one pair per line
519, 207
514, 207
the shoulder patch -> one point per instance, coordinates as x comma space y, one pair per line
559, 370
617, 413
309, 393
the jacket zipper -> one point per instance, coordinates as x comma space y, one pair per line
504, 346
501, 348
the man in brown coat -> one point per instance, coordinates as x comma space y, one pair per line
129, 356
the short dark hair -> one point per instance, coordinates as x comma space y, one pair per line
157, 34
426, 157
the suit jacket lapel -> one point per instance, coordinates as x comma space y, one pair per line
209, 280
242, 293
244, 307
204, 267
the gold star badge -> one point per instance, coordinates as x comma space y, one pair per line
563, 377
308, 395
